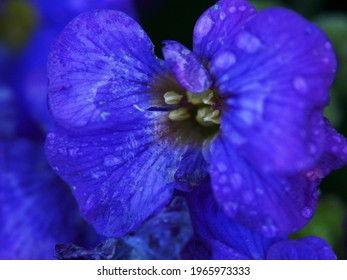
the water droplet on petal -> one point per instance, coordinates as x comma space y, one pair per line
236, 180
247, 42
300, 84
222, 16
316, 194
222, 179
242, 8
203, 26
269, 230
259, 191
327, 45
232, 9
51, 136
230, 208
111, 160
73, 152
306, 212
224, 60
222, 166
247, 197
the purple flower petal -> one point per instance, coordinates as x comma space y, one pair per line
226, 238
274, 76
101, 67
291, 250
37, 210
308, 248
118, 178
320, 246
219, 23
192, 170
186, 67
270, 203
335, 153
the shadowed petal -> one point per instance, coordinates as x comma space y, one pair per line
37, 210
226, 238
308, 248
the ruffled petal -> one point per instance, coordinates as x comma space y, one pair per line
219, 23
320, 246
186, 67
161, 237
269, 203
334, 156
274, 77
115, 174
37, 209
308, 248
102, 68
226, 238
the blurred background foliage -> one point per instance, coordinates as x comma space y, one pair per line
174, 20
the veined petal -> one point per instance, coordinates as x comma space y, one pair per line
102, 68
118, 178
37, 209
218, 24
269, 203
275, 90
186, 67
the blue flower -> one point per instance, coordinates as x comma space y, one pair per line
223, 238
245, 107
37, 209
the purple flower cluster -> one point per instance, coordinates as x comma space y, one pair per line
237, 124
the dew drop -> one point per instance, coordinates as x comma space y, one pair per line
222, 166
232, 9
300, 84
269, 230
73, 152
224, 60
306, 212
222, 16
259, 191
111, 160
236, 180
247, 42
222, 179
203, 26
248, 197
231, 208
334, 149
327, 45
56, 168
51, 136
316, 194
242, 8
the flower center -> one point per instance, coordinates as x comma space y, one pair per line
203, 107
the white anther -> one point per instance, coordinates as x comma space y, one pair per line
179, 114
172, 98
